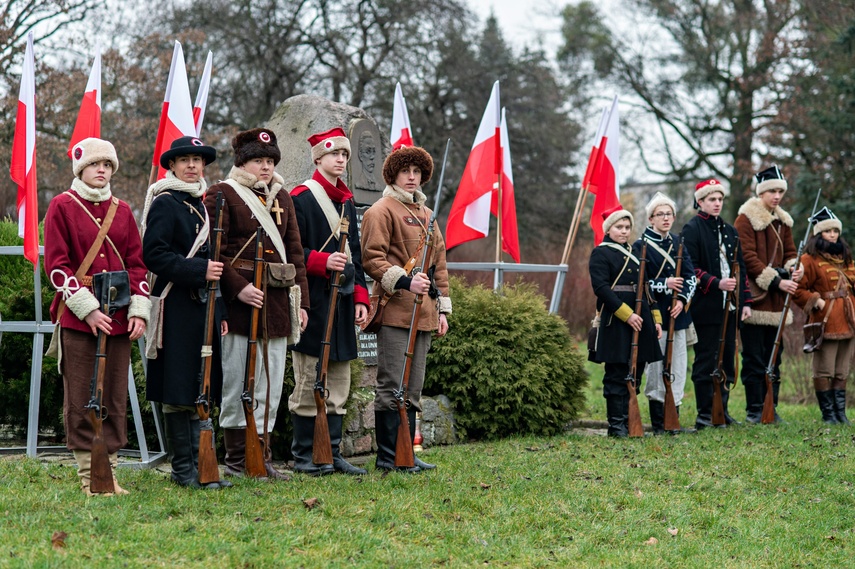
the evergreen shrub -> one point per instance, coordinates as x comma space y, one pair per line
508, 365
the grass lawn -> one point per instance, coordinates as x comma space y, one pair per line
758, 496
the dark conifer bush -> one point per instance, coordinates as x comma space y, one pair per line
508, 366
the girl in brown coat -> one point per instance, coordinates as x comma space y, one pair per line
825, 294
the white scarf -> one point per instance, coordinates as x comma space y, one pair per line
90, 194
170, 182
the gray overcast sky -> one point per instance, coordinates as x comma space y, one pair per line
532, 22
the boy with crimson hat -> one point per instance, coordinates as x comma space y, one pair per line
713, 244
321, 204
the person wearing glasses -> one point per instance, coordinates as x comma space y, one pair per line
664, 283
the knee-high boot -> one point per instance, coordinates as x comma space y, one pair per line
753, 402
617, 414
704, 399
235, 442
336, 423
411, 417
839, 390
776, 388
178, 433
725, 396
657, 416
825, 399
386, 433
302, 444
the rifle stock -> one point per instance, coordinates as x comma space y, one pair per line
254, 452
208, 468
636, 429
321, 446
404, 457
101, 473
672, 419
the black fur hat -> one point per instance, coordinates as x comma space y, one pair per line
255, 143
404, 157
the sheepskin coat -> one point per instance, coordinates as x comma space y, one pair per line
767, 246
826, 274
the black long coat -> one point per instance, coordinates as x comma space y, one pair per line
658, 270
700, 236
172, 227
314, 232
614, 343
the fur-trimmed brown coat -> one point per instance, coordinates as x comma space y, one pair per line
823, 275
391, 232
767, 244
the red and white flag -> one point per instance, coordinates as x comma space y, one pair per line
605, 176
469, 218
595, 152
176, 118
402, 134
23, 166
202, 95
88, 123
510, 239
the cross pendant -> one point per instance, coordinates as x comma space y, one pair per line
277, 210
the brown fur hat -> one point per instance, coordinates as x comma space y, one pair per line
404, 157
255, 143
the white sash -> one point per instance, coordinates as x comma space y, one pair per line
333, 217
262, 215
627, 252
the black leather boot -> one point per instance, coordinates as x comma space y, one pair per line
195, 430
776, 388
753, 402
339, 463
301, 447
235, 461
703, 399
725, 396
617, 414
840, 406
657, 416
386, 433
178, 433
827, 407
411, 417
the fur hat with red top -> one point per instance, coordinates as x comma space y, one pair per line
770, 179
255, 143
615, 214
707, 187
91, 150
325, 142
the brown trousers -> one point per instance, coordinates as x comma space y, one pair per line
78, 364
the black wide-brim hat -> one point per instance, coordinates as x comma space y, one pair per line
188, 145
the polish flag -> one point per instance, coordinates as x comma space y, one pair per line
510, 239
176, 118
88, 123
401, 131
469, 218
202, 95
23, 165
605, 176
595, 152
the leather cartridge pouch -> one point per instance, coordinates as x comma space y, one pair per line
118, 286
349, 273
281, 275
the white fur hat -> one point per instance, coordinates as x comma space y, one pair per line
658, 200
91, 150
614, 215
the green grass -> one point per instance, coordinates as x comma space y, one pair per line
751, 496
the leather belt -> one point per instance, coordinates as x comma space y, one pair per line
837, 293
244, 264
625, 288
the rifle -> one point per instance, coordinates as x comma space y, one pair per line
321, 446
672, 420
768, 415
404, 457
635, 427
718, 376
101, 472
208, 469
254, 454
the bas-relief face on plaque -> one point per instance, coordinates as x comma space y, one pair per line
366, 163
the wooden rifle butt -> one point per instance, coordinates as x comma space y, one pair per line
100, 470
672, 419
254, 452
768, 415
717, 404
321, 445
208, 469
404, 457
636, 429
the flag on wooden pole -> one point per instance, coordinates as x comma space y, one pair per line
88, 124
202, 95
510, 238
176, 118
605, 174
402, 134
23, 164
